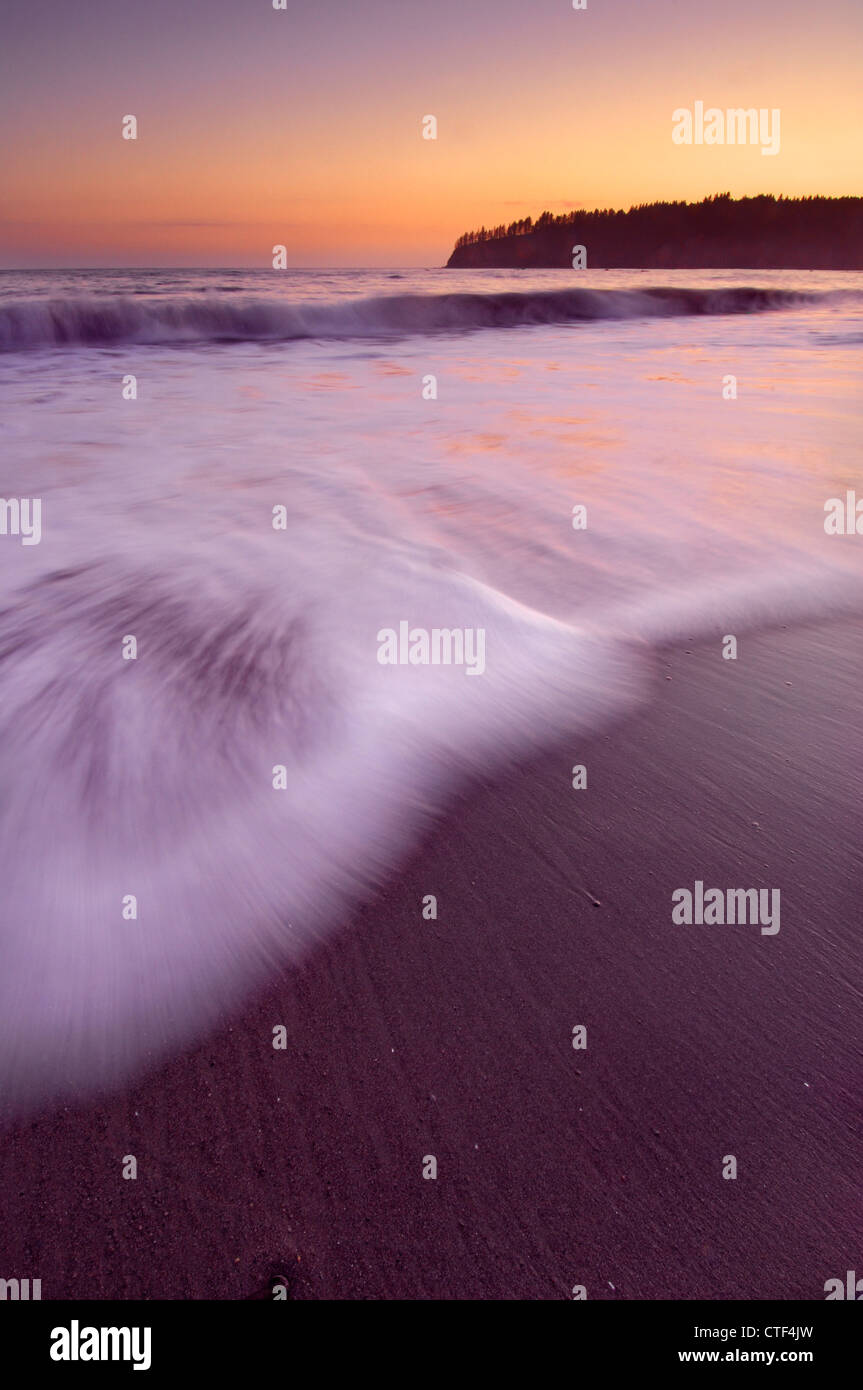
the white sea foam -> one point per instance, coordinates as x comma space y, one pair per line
257, 647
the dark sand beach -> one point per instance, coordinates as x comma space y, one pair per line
453, 1038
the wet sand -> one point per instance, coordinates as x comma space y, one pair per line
600, 1167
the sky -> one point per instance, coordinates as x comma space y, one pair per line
303, 127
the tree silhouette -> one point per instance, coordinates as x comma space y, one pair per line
719, 230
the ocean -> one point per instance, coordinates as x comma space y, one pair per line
254, 475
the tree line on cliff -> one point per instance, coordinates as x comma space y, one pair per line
827, 230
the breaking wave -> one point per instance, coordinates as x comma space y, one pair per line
103, 320
154, 778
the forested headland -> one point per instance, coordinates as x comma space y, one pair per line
763, 232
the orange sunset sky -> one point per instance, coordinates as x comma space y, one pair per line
303, 126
